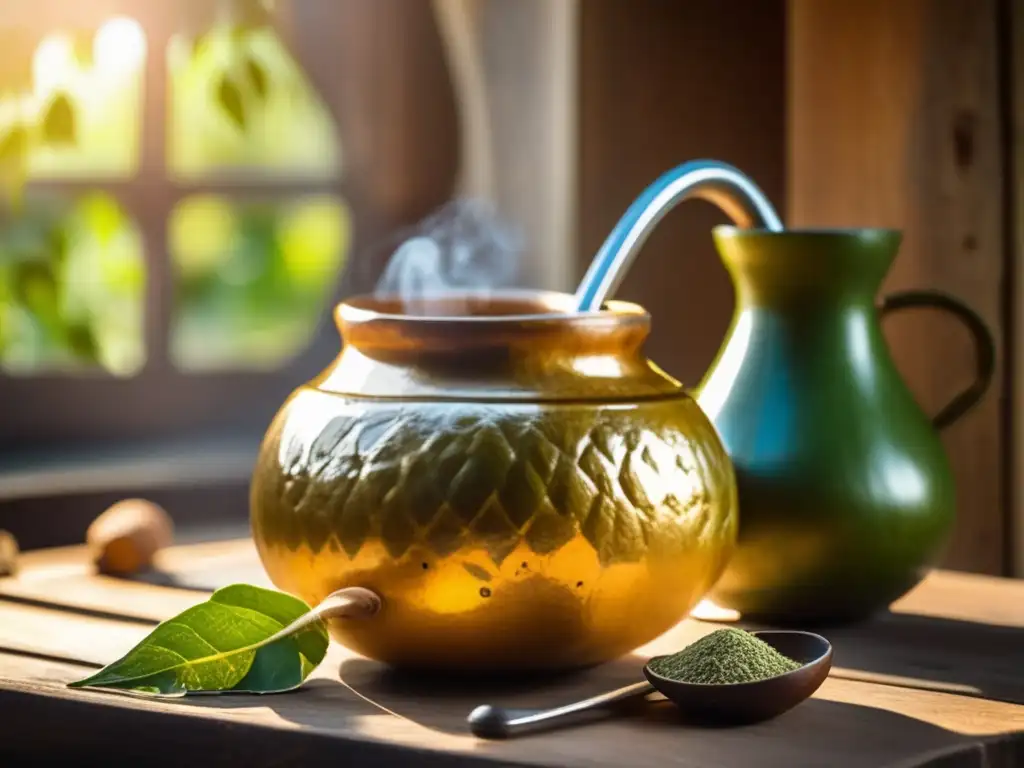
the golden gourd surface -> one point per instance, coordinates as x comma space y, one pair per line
498, 534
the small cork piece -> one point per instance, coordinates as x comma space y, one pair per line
8, 553
125, 538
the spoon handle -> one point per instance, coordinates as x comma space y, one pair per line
489, 722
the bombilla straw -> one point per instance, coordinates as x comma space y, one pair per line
719, 183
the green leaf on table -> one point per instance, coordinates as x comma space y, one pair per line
229, 97
225, 644
59, 121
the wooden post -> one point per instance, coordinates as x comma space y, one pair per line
530, 57
894, 120
1014, 21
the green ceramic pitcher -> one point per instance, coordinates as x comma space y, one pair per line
846, 495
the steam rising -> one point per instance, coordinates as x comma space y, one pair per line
463, 247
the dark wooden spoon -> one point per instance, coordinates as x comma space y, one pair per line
734, 704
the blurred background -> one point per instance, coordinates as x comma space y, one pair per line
187, 188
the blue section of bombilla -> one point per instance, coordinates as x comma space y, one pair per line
720, 183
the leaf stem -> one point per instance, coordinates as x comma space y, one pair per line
347, 603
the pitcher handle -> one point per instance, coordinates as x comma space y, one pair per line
720, 183
984, 346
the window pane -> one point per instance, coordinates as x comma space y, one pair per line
253, 279
71, 288
239, 102
83, 112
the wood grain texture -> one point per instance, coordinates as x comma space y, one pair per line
894, 122
662, 83
966, 597
1015, 34
65, 578
366, 718
355, 710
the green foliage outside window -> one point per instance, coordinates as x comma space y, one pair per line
251, 279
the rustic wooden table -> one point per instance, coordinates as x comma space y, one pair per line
939, 681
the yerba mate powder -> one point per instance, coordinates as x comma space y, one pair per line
723, 657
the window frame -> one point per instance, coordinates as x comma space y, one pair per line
161, 400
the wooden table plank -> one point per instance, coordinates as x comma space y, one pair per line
57, 609
347, 690
966, 597
76, 638
222, 557
226, 731
66, 578
836, 726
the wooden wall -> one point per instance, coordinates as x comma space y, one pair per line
661, 83
1012, 23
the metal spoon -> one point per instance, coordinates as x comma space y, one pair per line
711, 704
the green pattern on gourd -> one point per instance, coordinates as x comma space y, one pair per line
438, 474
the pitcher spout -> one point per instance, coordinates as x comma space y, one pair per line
803, 265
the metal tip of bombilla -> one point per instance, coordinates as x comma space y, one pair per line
720, 183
